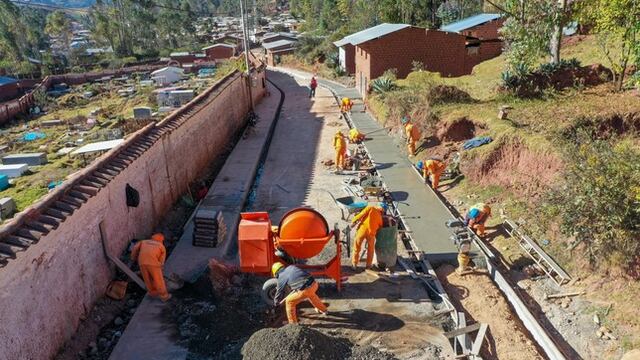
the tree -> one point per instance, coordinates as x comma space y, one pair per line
617, 26
561, 16
527, 31
599, 203
454, 10
59, 26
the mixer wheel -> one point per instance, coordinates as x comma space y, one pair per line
269, 290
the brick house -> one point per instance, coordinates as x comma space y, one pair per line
219, 51
397, 46
272, 37
274, 50
9, 88
482, 30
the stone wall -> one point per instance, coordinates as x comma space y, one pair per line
53, 283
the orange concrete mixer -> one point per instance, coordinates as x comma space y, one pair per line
302, 234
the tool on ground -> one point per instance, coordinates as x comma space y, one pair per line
453, 169
124, 268
209, 227
301, 234
375, 131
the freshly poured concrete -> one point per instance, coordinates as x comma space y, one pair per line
424, 212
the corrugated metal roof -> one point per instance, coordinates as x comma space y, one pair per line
470, 22
370, 34
218, 45
279, 43
4, 80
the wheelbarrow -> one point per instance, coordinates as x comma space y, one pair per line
349, 205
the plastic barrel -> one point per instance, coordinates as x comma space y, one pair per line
387, 246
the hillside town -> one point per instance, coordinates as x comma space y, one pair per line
363, 179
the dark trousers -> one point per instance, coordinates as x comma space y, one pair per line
312, 92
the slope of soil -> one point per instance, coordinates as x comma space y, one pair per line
483, 302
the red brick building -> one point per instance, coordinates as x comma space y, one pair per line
274, 50
483, 30
220, 51
273, 37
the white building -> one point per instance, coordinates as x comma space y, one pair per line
167, 75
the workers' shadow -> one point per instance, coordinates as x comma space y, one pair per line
383, 166
400, 196
429, 142
495, 231
357, 319
453, 183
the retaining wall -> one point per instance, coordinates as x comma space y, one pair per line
52, 283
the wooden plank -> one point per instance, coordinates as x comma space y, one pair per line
122, 266
463, 339
477, 344
464, 330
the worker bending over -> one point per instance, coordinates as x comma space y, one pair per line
431, 170
369, 221
346, 104
151, 255
355, 136
303, 287
477, 216
413, 135
340, 145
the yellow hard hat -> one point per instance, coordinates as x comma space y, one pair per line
276, 267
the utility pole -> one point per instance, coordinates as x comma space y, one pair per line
246, 50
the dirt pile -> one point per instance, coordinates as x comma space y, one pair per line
303, 343
458, 130
513, 165
603, 127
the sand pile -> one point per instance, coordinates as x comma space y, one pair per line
303, 343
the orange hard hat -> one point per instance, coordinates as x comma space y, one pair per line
157, 237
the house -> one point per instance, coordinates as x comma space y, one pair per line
9, 88
274, 50
167, 75
272, 37
219, 51
184, 57
399, 46
173, 97
483, 30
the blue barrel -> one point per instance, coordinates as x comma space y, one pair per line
4, 182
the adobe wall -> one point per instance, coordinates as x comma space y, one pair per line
54, 283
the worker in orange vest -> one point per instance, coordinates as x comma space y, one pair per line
303, 287
434, 168
340, 145
413, 135
151, 255
369, 221
477, 216
355, 136
346, 105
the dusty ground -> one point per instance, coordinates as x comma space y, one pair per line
484, 303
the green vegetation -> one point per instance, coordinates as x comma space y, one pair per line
21, 35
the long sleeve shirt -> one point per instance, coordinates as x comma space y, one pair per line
293, 277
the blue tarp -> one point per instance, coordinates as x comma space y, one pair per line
32, 135
4, 182
476, 142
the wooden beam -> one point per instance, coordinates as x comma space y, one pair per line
464, 330
122, 266
475, 350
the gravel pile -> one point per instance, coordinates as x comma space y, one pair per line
303, 343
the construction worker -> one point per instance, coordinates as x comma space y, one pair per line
355, 136
413, 135
433, 168
477, 216
303, 287
312, 87
369, 221
151, 255
346, 104
340, 145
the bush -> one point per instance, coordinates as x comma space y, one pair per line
599, 203
382, 85
441, 94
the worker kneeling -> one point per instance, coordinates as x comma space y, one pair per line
303, 287
477, 216
369, 221
151, 255
432, 169
355, 136
346, 104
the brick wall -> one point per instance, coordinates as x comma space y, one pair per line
220, 52
439, 51
51, 285
486, 31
